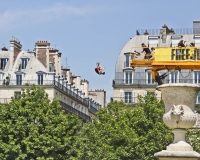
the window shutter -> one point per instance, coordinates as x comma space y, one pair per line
144, 93
121, 95
134, 97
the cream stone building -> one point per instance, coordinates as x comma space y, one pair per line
129, 82
20, 69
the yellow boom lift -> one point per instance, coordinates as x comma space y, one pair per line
172, 58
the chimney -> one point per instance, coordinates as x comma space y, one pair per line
42, 52
196, 27
165, 31
15, 46
15, 49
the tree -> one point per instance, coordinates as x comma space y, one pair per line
32, 127
124, 132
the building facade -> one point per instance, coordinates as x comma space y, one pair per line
42, 67
129, 82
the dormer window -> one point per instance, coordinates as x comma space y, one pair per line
40, 77
24, 62
3, 62
149, 79
128, 57
19, 77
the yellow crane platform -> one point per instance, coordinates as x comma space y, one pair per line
167, 58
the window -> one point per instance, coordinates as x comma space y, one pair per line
40, 79
17, 95
24, 62
127, 62
18, 79
198, 98
153, 41
128, 97
51, 67
174, 77
197, 77
149, 79
128, 77
3, 62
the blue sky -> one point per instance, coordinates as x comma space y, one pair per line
90, 31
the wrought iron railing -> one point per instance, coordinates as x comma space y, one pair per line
72, 110
67, 91
151, 83
71, 93
171, 31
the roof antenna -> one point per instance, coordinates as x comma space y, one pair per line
67, 64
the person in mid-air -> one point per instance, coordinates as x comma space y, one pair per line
99, 70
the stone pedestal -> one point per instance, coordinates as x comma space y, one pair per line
179, 100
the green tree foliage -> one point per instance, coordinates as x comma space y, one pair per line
32, 127
193, 137
124, 133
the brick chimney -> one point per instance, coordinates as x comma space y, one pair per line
42, 52
15, 49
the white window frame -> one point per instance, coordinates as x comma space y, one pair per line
130, 79
129, 58
121, 95
19, 81
40, 78
197, 77
128, 98
134, 97
148, 76
170, 77
24, 62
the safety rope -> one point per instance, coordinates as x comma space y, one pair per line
185, 76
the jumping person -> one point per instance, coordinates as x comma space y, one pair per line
99, 70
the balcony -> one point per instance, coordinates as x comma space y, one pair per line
52, 83
150, 83
75, 111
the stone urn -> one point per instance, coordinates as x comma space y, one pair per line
179, 100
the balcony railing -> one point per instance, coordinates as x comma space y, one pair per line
151, 83
75, 111
57, 85
171, 31
71, 93
129, 100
